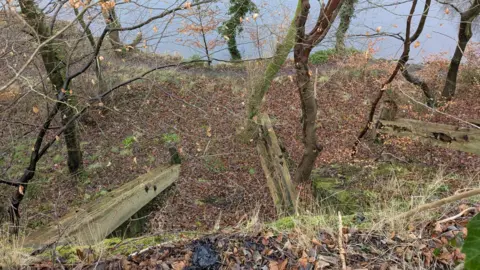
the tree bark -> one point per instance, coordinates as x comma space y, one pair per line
464, 35
346, 14
54, 67
307, 97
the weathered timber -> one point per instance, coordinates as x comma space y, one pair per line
92, 223
447, 136
275, 168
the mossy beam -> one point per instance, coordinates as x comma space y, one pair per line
92, 223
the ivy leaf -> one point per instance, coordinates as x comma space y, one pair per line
471, 247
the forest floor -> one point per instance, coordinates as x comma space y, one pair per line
221, 185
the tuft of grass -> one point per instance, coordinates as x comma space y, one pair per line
169, 138
129, 141
12, 253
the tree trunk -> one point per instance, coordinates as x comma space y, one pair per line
346, 15
308, 99
233, 49
464, 35
102, 85
112, 21
263, 84
55, 67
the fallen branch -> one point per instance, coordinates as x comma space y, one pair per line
436, 204
457, 215
341, 250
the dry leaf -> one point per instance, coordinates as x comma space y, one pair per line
378, 29
187, 5
57, 138
21, 189
179, 265
209, 131
35, 109
316, 242
155, 29
417, 44
447, 11
255, 16
135, 160
273, 265
283, 265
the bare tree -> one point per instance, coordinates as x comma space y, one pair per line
303, 47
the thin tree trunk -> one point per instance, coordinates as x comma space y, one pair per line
346, 14
464, 35
204, 38
102, 85
54, 67
308, 99
263, 84
429, 94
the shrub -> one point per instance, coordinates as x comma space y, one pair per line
322, 56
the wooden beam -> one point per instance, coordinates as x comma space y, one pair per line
275, 168
93, 222
447, 136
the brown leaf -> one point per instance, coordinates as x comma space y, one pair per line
438, 228
21, 189
209, 131
179, 265
273, 265
316, 242
35, 109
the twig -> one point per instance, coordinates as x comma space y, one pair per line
341, 250
457, 215
438, 203
206, 147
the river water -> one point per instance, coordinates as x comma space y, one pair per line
166, 35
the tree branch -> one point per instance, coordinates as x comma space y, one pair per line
400, 65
